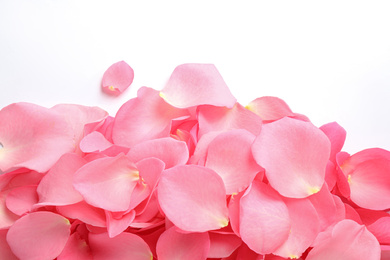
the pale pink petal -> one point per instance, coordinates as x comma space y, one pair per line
368, 176
336, 135
56, 187
32, 136
349, 241
270, 108
305, 226
84, 212
144, 118
378, 223
285, 149
76, 249
175, 245
230, 155
197, 84
39, 235
223, 245
264, 220
94, 142
193, 198
122, 247
200, 153
117, 78
115, 226
7, 217
168, 150
234, 212
22, 199
5, 250
221, 119
107, 183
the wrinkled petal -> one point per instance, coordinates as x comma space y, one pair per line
168, 150
221, 119
349, 241
197, 84
264, 220
22, 199
56, 187
39, 235
193, 198
122, 247
117, 78
144, 118
32, 136
285, 149
270, 108
94, 142
107, 183
223, 245
230, 155
175, 245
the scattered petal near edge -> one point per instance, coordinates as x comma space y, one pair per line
117, 78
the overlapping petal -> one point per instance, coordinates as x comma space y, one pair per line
270, 108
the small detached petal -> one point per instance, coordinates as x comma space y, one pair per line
117, 78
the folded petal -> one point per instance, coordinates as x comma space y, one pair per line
264, 219
197, 84
348, 241
193, 198
122, 247
39, 235
230, 155
144, 118
32, 136
285, 149
115, 225
117, 78
107, 183
175, 245
270, 108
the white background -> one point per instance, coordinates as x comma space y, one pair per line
329, 60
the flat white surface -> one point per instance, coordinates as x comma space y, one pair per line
329, 60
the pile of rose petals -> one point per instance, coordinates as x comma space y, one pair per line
186, 173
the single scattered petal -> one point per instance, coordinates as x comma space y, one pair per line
107, 183
197, 84
134, 123
32, 136
179, 246
336, 135
56, 187
22, 199
264, 220
94, 142
223, 245
122, 247
38, 236
168, 150
76, 249
117, 78
349, 241
269, 108
193, 198
221, 119
230, 155
285, 149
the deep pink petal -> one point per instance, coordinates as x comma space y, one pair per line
56, 187
117, 78
107, 183
175, 245
230, 155
32, 136
223, 245
349, 241
285, 149
94, 142
22, 199
270, 108
351, 213
144, 118
76, 249
336, 135
39, 235
122, 247
221, 119
264, 220
197, 84
193, 198
84, 212
378, 223
5, 250
168, 150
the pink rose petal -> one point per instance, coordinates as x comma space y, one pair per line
76, 249
116, 225
117, 78
264, 220
193, 198
175, 245
94, 142
122, 247
197, 84
107, 183
22, 199
336, 135
84, 212
285, 149
378, 223
5, 250
39, 235
223, 245
7, 217
270, 108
